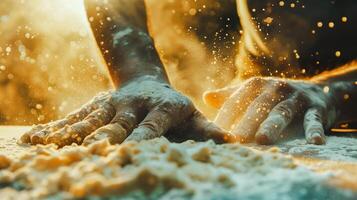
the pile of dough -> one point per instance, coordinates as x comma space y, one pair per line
149, 169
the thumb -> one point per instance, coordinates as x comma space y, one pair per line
216, 98
199, 128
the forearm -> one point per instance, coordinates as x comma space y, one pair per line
342, 85
121, 32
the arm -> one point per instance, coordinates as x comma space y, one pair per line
264, 108
121, 32
143, 104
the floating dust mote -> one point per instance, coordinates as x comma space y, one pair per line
158, 169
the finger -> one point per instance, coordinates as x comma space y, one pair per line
84, 111
279, 118
155, 124
256, 113
26, 137
236, 105
200, 129
313, 125
118, 130
39, 136
78, 131
216, 98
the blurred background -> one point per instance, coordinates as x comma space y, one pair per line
48, 61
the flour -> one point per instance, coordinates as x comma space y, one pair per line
336, 148
158, 169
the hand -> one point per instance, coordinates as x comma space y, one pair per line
142, 109
261, 108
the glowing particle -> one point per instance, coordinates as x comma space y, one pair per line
38, 106
27, 35
281, 3
41, 118
292, 5
2, 68
319, 24
331, 24
10, 76
326, 89
192, 11
268, 20
338, 53
346, 96
344, 19
313, 31
8, 49
303, 71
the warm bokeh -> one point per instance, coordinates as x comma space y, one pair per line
48, 61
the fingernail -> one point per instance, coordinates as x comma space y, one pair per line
25, 139
317, 139
263, 139
35, 139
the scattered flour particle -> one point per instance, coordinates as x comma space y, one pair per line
331, 24
8, 49
344, 19
326, 89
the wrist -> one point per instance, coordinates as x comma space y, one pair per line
139, 79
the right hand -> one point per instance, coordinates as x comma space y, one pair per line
261, 109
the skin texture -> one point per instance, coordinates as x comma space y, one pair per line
143, 105
261, 109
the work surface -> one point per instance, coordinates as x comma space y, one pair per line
338, 157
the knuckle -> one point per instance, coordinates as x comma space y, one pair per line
127, 121
168, 107
313, 115
254, 81
282, 87
284, 110
179, 103
151, 125
301, 99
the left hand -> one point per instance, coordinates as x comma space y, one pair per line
142, 109
261, 109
